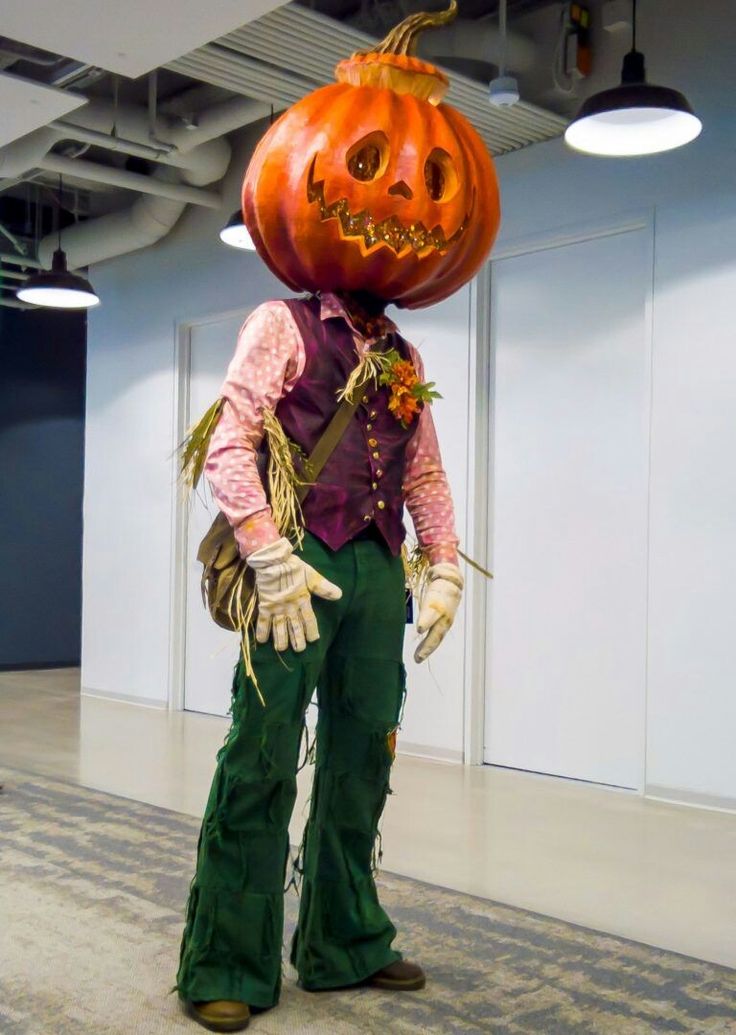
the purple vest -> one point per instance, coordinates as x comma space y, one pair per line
362, 480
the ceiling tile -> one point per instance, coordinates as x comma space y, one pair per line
25, 106
129, 38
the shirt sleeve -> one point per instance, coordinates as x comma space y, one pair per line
426, 489
268, 360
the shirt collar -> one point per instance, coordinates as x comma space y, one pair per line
331, 306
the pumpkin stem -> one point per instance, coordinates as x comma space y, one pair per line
391, 63
403, 37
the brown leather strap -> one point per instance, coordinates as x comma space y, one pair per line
329, 440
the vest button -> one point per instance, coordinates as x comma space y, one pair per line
372, 442
379, 473
374, 485
373, 414
366, 517
376, 456
381, 505
369, 427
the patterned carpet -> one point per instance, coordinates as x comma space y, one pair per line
92, 891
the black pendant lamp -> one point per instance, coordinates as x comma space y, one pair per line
235, 233
635, 118
57, 288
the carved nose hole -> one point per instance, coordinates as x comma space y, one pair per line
401, 187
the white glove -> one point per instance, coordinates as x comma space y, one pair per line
284, 584
439, 602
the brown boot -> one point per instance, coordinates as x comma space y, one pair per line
219, 1015
399, 976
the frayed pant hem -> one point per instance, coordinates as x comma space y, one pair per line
360, 975
235, 993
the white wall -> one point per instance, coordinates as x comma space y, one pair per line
129, 490
129, 478
129, 473
691, 713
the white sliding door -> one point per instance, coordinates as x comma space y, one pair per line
566, 652
210, 652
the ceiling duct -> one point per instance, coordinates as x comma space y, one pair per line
258, 61
197, 154
148, 220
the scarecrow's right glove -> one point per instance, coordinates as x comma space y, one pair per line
284, 585
439, 601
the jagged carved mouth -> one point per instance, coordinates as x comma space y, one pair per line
390, 231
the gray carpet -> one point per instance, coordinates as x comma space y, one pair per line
92, 891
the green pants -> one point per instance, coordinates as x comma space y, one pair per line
231, 948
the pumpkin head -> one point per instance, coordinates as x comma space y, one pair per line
371, 184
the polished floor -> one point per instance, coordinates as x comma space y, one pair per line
660, 874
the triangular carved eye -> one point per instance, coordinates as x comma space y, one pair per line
440, 175
368, 157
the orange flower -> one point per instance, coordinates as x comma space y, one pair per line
408, 394
404, 372
403, 404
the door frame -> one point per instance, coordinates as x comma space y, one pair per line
478, 517
640, 219
181, 420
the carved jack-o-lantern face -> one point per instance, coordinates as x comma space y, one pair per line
367, 185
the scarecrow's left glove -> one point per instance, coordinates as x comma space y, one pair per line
438, 604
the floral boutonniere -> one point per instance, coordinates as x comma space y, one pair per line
408, 393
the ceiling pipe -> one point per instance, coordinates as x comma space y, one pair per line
20, 260
130, 147
201, 157
199, 152
114, 177
148, 220
152, 217
197, 144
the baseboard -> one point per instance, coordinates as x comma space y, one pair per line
693, 799
433, 754
37, 666
109, 695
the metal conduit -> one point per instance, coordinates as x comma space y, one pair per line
20, 260
96, 173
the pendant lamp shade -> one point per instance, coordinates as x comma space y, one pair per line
235, 233
57, 288
635, 118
